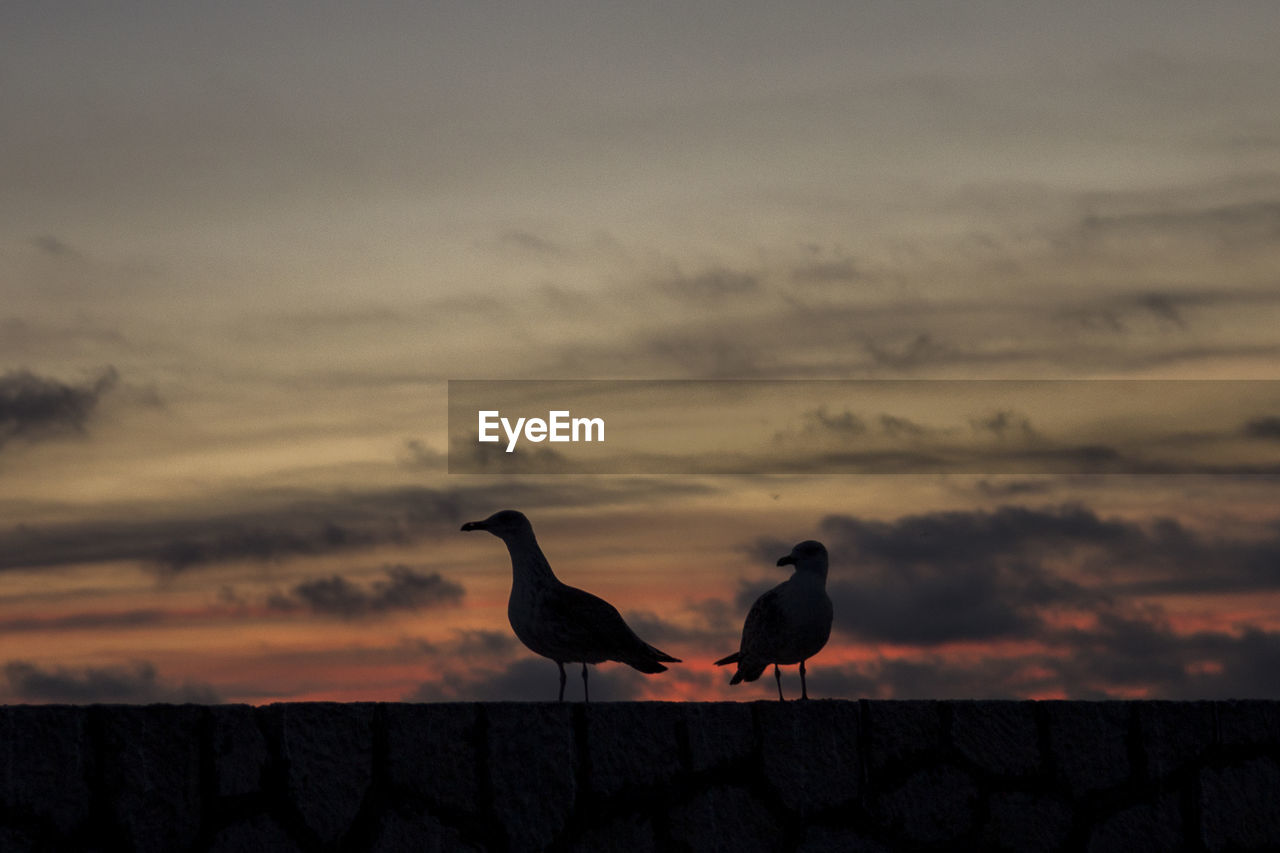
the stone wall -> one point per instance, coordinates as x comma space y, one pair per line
816, 776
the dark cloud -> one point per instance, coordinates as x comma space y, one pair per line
841, 271
1268, 427
922, 677
922, 349
532, 680
821, 426
35, 407
1004, 423
705, 353
84, 621
709, 621
1164, 307
529, 242
1005, 489
1122, 655
1228, 226
403, 589
478, 642
134, 683
977, 575
933, 578
898, 427
417, 455
308, 526
53, 246
261, 544
713, 284
1139, 649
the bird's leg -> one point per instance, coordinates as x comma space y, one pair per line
561, 680
804, 691
586, 694
777, 675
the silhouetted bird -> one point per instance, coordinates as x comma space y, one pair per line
556, 620
788, 624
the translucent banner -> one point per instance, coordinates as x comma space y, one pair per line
864, 427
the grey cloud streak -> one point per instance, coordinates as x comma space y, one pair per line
404, 588
35, 407
133, 683
308, 524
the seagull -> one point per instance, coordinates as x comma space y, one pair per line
556, 620
790, 623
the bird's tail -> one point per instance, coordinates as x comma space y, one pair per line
649, 662
750, 673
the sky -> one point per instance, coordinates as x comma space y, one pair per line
244, 251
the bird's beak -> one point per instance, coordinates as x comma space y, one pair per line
474, 525
788, 560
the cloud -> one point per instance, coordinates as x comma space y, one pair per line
711, 285
84, 621
1003, 423
53, 246
314, 524
1005, 489
1227, 226
415, 454
529, 242
837, 271
35, 407
921, 349
478, 642
897, 427
404, 589
532, 680
1122, 655
1268, 428
821, 426
708, 622
939, 577
134, 683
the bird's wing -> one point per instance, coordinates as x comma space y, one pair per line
766, 626
591, 629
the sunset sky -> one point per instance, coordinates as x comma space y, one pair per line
245, 248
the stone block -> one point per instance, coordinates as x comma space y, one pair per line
632, 833
258, 834
1018, 821
434, 753
1087, 741
999, 737
240, 753
631, 745
1249, 723
420, 834
725, 819
44, 762
826, 839
1145, 826
901, 730
327, 748
810, 753
1174, 734
151, 767
532, 767
719, 734
936, 805
1240, 806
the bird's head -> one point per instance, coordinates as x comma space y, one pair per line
504, 524
808, 556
